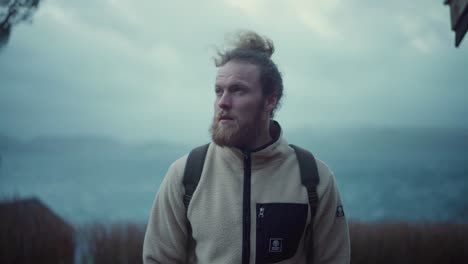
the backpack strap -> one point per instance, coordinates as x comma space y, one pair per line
309, 175
193, 171
310, 179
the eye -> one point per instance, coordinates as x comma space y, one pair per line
238, 89
218, 91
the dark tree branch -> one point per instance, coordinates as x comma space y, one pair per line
18, 11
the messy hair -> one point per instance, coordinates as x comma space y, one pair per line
250, 47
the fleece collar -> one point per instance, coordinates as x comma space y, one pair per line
274, 151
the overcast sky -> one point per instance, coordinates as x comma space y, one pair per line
144, 72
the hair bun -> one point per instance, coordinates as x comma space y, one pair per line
249, 40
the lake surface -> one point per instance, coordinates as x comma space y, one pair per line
383, 175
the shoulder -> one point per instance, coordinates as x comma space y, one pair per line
327, 178
175, 173
176, 170
323, 169
178, 165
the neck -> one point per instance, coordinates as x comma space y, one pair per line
262, 138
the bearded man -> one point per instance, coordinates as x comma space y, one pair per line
249, 203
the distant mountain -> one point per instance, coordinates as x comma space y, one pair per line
8, 143
393, 140
382, 139
57, 144
89, 145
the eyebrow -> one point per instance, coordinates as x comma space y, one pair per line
235, 84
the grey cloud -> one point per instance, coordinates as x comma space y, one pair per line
144, 71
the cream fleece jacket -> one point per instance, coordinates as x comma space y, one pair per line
279, 212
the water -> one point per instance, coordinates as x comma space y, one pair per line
410, 177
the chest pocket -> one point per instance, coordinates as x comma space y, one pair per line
279, 230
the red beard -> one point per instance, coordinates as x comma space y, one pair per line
233, 134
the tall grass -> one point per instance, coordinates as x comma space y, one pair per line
384, 243
31, 233
117, 243
405, 243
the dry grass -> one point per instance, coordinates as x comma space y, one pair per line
115, 243
31, 233
384, 243
405, 243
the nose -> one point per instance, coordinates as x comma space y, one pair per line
224, 101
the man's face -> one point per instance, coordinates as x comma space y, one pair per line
239, 105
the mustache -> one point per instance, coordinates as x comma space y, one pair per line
224, 115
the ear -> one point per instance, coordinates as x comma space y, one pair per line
270, 103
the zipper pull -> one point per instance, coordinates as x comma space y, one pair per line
260, 214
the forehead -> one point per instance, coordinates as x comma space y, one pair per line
238, 72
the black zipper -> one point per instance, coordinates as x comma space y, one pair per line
246, 209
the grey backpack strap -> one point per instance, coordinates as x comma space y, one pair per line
310, 179
309, 175
193, 170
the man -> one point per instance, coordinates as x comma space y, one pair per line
250, 205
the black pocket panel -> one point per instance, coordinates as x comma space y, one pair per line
279, 230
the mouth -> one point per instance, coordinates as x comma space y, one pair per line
225, 118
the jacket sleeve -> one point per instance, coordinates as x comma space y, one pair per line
166, 233
330, 229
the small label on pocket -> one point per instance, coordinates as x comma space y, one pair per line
276, 244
